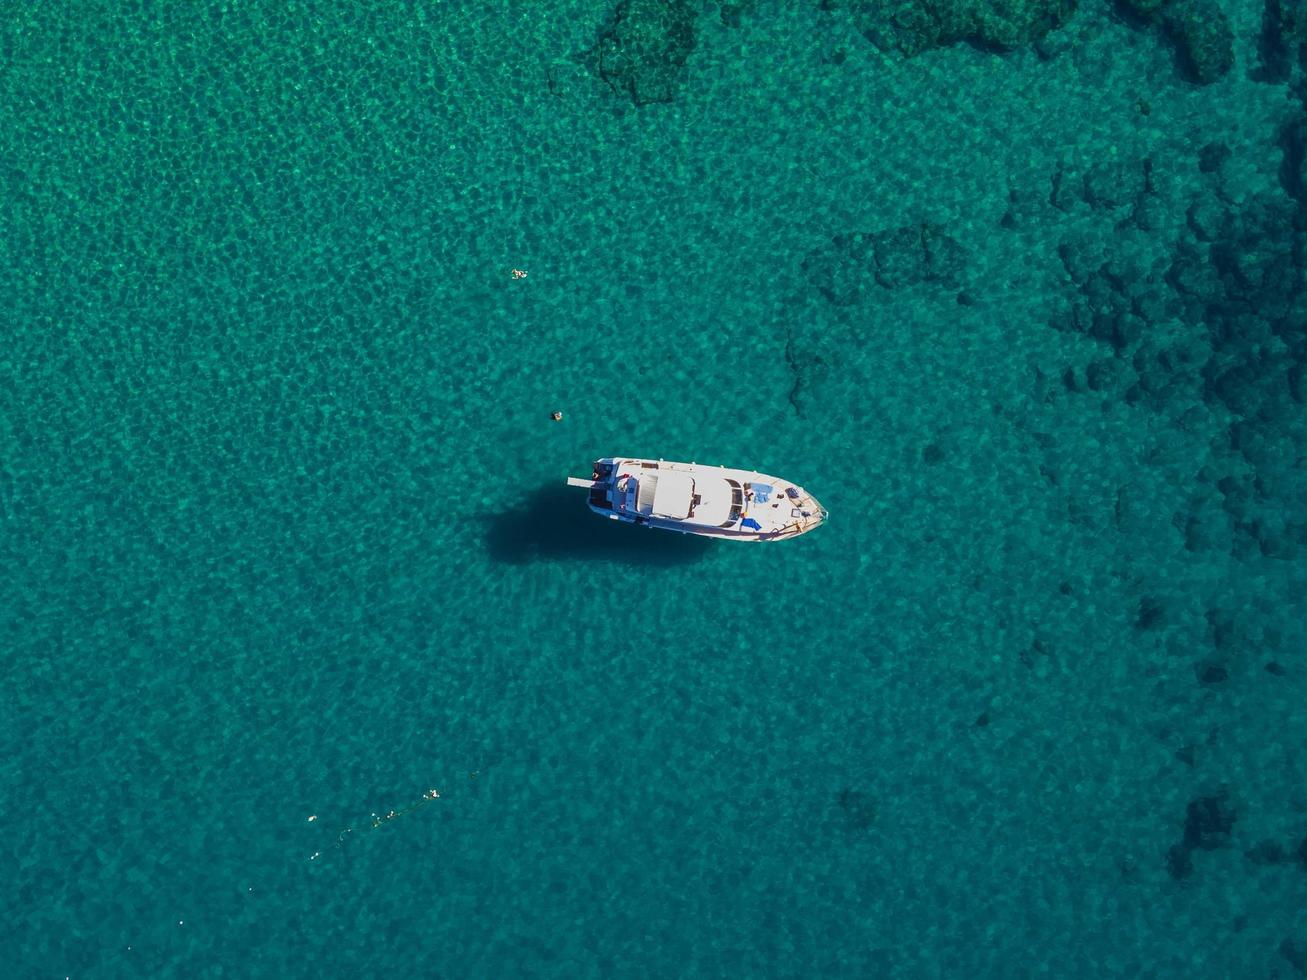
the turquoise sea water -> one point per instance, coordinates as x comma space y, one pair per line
285, 546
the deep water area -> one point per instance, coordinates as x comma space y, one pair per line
314, 667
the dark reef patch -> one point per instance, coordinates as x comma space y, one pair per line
641, 51
1267, 852
859, 808
805, 365
1215, 330
1198, 30
845, 268
1295, 951
909, 28
1204, 42
1179, 862
1111, 184
1209, 822
1283, 34
1151, 613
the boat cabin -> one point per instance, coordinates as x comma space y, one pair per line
693, 499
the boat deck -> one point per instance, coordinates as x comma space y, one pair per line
711, 501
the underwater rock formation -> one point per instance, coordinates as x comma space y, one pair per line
1293, 173
859, 808
642, 50
1142, 9
849, 264
849, 269
1267, 852
1114, 183
910, 27
1204, 42
1216, 329
1231, 297
1198, 29
1282, 40
808, 364
1104, 186
1295, 951
1209, 821
1117, 301
732, 12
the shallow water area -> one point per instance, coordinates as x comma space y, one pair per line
286, 550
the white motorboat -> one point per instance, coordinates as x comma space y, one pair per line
712, 501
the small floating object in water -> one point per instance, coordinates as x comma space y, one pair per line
519, 273
556, 416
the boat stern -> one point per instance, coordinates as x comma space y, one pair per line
600, 484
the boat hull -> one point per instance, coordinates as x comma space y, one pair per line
704, 501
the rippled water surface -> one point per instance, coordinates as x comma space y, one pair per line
285, 549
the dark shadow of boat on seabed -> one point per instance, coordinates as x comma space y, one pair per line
554, 524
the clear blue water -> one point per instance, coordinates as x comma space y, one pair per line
285, 546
